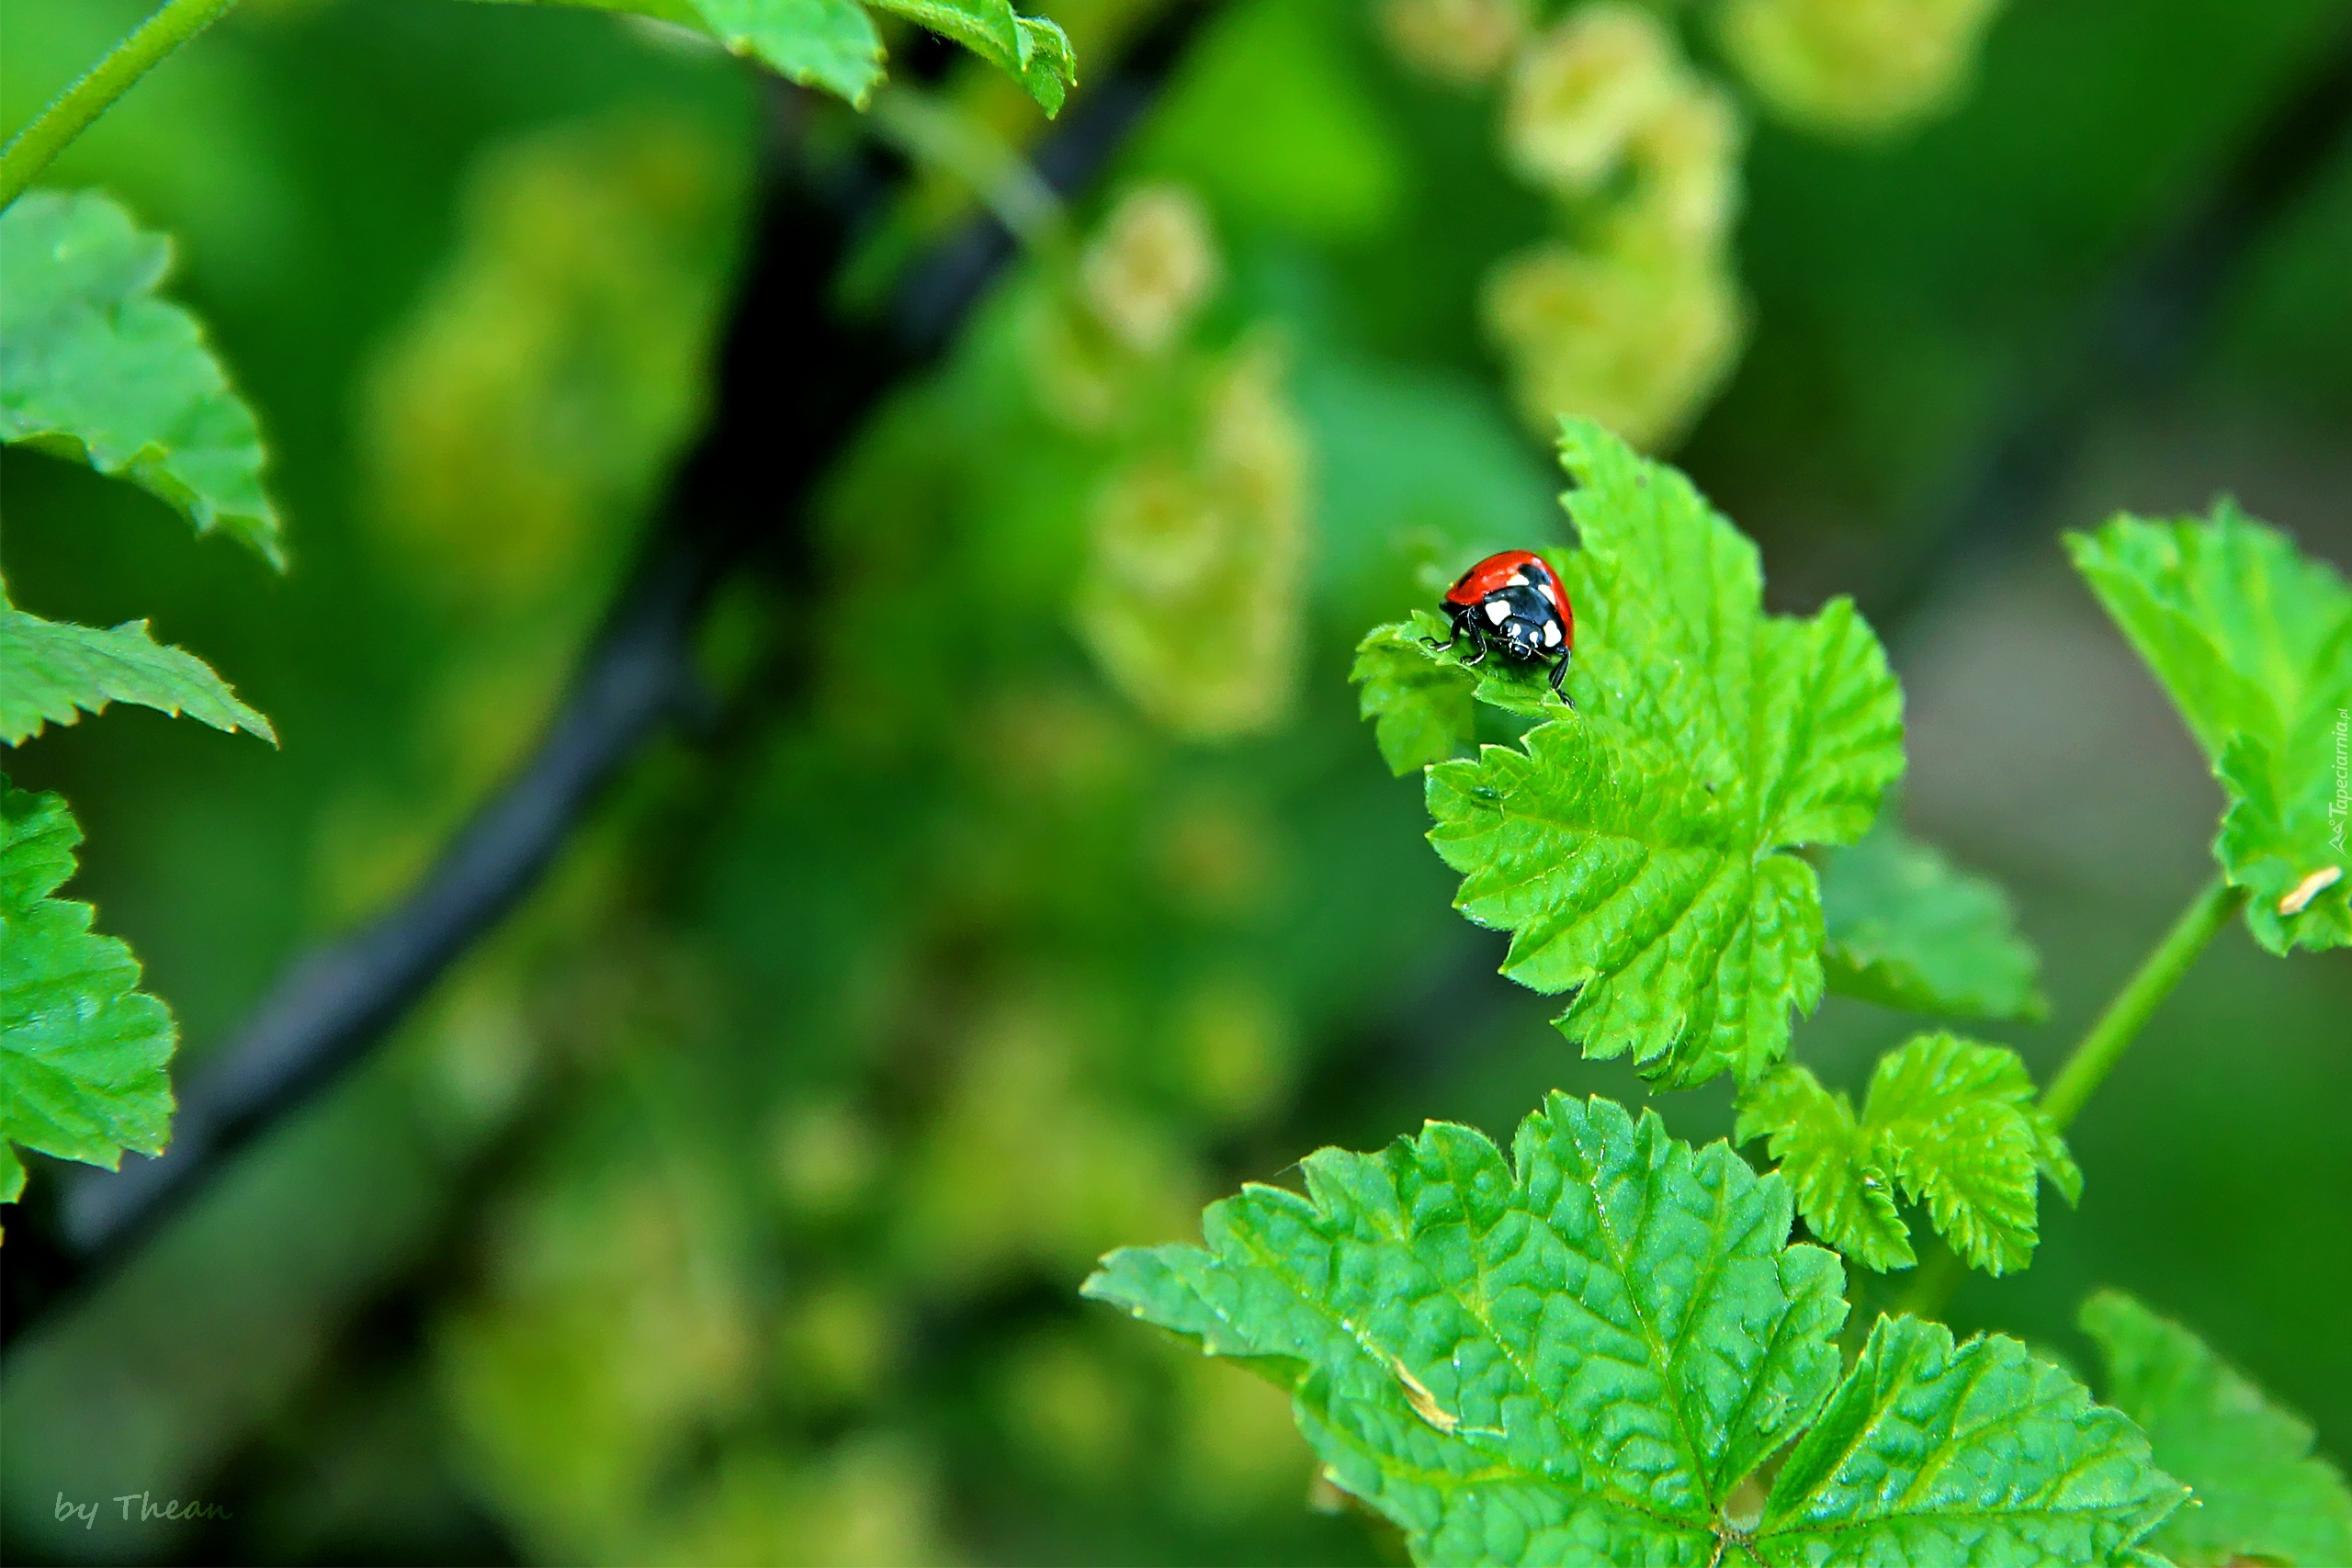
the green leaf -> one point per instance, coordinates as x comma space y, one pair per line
1798, 723
1035, 52
1420, 708
82, 1048
1621, 880
832, 44
829, 44
1632, 848
2253, 643
1964, 1137
1908, 930
2283, 839
1420, 699
94, 366
1977, 1454
2260, 1491
50, 670
1578, 1356
1951, 1122
1841, 1185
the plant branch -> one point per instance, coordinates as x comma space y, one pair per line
333, 1003
70, 113
2154, 980
790, 364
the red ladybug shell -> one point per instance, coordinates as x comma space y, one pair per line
1515, 569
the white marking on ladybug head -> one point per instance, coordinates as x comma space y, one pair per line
1497, 612
1551, 634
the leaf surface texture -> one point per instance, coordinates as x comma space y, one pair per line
82, 1048
1575, 1356
1949, 1122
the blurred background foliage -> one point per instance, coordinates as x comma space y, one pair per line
1034, 880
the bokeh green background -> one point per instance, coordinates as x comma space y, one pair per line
729, 1202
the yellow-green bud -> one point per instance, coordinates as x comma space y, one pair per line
1580, 93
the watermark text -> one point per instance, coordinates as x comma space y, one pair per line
142, 1506
2340, 808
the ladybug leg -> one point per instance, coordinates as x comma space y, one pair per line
1477, 658
1560, 673
1449, 642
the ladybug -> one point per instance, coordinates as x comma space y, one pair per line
1513, 605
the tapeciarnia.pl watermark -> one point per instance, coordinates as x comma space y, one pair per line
2340, 808
142, 1506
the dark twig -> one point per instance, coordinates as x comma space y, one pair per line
333, 1002
796, 383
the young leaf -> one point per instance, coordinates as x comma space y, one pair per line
1966, 1138
2253, 643
1632, 848
96, 367
832, 44
1625, 881
82, 1048
1419, 697
50, 670
1950, 1121
1420, 708
1907, 928
1797, 723
1842, 1183
2261, 1492
1579, 1355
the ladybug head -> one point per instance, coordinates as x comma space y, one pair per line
1524, 638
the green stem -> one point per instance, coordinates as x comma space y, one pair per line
2142, 995
1939, 1275
929, 132
70, 113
